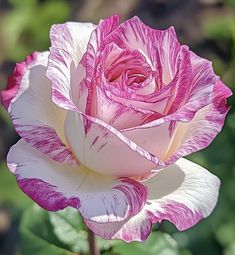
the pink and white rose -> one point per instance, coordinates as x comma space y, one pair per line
105, 118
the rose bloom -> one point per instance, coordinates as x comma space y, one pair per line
106, 116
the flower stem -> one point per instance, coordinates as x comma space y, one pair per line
93, 248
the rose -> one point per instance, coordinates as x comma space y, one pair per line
105, 118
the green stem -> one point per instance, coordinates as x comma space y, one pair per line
93, 248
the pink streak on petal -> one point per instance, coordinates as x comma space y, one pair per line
220, 95
33, 114
45, 195
125, 199
14, 80
45, 139
136, 228
178, 214
96, 43
198, 133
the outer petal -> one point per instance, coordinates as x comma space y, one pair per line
203, 128
14, 80
104, 149
182, 193
136, 228
71, 37
69, 43
35, 117
55, 186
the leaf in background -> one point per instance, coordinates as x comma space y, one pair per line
26, 27
220, 27
226, 234
231, 2
230, 250
23, 3
69, 229
158, 243
9, 190
37, 235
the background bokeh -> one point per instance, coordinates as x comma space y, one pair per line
208, 27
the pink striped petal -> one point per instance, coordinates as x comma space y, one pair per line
117, 114
35, 117
182, 193
136, 228
69, 43
59, 72
153, 43
14, 80
182, 132
196, 86
95, 44
71, 37
203, 128
98, 198
106, 150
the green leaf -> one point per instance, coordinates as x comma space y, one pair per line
37, 235
26, 27
225, 234
69, 229
231, 2
8, 183
157, 243
230, 250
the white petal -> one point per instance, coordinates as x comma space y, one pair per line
104, 149
136, 228
69, 43
55, 186
35, 117
182, 193
72, 37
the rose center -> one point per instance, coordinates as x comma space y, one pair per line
129, 68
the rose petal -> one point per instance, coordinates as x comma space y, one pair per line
203, 128
35, 117
116, 114
134, 34
195, 91
136, 228
59, 72
72, 37
69, 43
14, 80
181, 134
56, 186
96, 43
104, 149
182, 193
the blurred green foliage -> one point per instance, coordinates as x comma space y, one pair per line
9, 192
64, 233
25, 28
